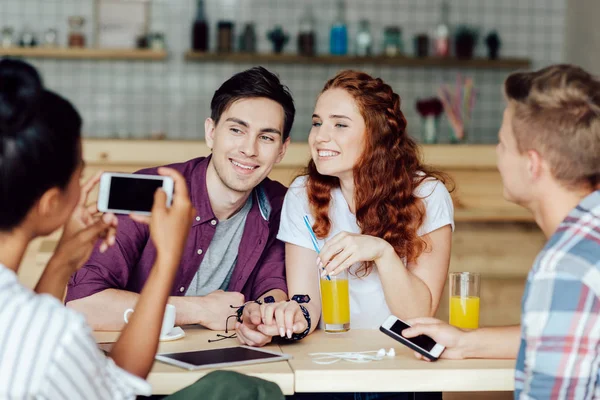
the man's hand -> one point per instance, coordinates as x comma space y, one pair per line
247, 332
215, 307
447, 335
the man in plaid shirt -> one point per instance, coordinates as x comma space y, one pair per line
549, 160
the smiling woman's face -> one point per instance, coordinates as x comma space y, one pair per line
337, 136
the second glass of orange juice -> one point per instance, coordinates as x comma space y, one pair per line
464, 300
335, 300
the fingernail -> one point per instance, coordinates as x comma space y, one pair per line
103, 247
106, 218
323, 273
321, 265
282, 332
289, 333
318, 260
111, 240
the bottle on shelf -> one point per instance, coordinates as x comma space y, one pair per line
200, 29
306, 33
339, 32
442, 32
364, 39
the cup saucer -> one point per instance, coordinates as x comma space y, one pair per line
176, 333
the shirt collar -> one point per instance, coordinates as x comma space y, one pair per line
591, 202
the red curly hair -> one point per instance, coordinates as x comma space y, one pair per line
385, 176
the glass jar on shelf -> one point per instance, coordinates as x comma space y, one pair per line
76, 35
392, 41
7, 39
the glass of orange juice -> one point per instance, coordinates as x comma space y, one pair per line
464, 299
335, 300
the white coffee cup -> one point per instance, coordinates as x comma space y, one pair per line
168, 319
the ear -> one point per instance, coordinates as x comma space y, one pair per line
209, 132
49, 203
535, 165
282, 151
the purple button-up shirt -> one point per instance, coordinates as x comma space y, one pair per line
259, 267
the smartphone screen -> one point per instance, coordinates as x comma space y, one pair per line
132, 194
424, 342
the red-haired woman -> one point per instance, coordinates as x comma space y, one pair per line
377, 211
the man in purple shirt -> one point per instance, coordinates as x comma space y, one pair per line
232, 254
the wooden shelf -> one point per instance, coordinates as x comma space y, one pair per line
401, 61
84, 53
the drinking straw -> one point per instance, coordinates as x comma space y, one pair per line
313, 238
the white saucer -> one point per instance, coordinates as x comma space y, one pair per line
176, 333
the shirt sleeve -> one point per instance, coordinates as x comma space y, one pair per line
439, 209
292, 228
111, 269
79, 370
560, 338
271, 271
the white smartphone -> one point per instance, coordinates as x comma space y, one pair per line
422, 344
131, 193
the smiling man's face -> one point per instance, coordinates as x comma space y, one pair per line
246, 142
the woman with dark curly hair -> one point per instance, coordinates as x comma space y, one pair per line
375, 208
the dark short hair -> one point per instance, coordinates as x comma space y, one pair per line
252, 83
39, 141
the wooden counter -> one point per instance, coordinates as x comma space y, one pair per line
402, 373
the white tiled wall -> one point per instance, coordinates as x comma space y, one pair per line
135, 99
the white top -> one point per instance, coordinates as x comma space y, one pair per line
48, 352
368, 308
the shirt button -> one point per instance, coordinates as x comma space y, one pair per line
197, 218
181, 289
199, 251
213, 222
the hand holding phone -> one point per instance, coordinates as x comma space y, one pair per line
131, 193
422, 344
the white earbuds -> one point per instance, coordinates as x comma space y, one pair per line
359, 357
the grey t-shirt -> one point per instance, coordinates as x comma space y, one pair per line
217, 265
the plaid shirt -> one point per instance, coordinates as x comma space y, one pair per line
560, 324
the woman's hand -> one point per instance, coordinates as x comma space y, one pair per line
84, 216
82, 231
345, 249
169, 227
283, 319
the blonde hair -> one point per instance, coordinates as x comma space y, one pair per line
557, 113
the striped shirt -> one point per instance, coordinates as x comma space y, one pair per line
559, 356
48, 352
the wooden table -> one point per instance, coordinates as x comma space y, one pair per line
402, 373
167, 379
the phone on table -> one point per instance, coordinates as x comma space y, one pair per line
422, 344
131, 193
